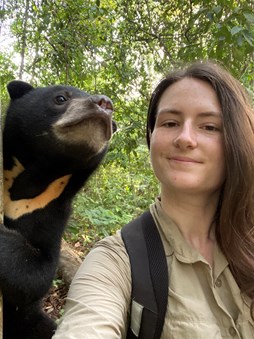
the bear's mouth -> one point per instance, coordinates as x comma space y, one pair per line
86, 121
103, 118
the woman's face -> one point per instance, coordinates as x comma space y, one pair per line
187, 150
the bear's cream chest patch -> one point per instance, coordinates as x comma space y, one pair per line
14, 209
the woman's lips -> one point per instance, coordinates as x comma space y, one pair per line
184, 159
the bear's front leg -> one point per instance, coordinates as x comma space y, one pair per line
26, 272
29, 322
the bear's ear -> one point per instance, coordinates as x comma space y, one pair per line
18, 88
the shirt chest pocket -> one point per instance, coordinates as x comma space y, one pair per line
244, 324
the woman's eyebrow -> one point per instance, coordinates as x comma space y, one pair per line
202, 114
169, 110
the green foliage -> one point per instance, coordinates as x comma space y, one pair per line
57, 283
113, 196
7, 71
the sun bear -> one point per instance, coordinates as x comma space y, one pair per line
54, 138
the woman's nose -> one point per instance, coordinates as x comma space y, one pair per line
186, 137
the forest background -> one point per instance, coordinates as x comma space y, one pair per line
120, 48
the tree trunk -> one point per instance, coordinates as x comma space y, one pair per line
23, 42
68, 264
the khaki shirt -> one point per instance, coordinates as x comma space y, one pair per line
203, 302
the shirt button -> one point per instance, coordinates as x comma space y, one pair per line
218, 283
232, 331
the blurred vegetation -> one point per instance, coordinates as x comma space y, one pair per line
120, 48
113, 197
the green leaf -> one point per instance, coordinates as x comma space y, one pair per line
249, 17
238, 54
210, 16
240, 40
248, 37
217, 9
235, 30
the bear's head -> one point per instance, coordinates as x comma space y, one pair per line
60, 126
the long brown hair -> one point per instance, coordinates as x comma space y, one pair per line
235, 213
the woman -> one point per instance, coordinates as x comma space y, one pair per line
200, 135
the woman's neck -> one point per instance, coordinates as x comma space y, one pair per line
194, 216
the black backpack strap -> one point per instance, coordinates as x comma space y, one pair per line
149, 275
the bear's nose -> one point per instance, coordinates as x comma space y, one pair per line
104, 102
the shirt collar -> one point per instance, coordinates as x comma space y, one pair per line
175, 242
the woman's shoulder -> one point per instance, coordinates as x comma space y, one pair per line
109, 251
108, 260
113, 243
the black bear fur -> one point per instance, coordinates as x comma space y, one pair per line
53, 140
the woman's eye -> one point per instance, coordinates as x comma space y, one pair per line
211, 128
60, 99
170, 124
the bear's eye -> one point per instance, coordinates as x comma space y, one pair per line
60, 99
